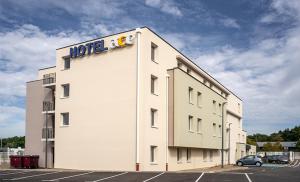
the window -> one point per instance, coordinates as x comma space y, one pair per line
220, 131
211, 155
214, 129
66, 90
153, 153
190, 123
199, 125
65, 119
214, 106
179, 155
153, 117
220, 108
153, 84
153, 52
199, 99
179, 64
204, 155
188, 154
188, 71
190, 95
67, 63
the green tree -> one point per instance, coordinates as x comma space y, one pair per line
276, 147
14, 142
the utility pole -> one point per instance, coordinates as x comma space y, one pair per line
222, 151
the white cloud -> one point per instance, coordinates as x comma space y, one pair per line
229, 22
25, 50
166, 6
182, 41
266, 76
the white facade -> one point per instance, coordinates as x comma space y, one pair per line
118, 106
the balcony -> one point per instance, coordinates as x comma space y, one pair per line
49, 80
48, 107
48, 132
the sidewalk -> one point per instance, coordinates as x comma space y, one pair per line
216, 169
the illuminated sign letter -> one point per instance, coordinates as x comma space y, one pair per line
81, 50
89, 47
73, 52
99, 46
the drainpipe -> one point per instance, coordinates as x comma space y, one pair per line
222, 151
138, 57
229, 143
167, 119
46, 143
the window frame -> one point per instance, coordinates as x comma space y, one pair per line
190, 123
154, 85
199, 125
64, 89
153, 52
179, 155
188, 155
190, 92
63, 114
67, 59
153, 117
153, 151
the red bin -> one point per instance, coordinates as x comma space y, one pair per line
30, 161
16, 161
26, 161
35, 161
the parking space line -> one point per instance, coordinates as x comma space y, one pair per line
4, 174
68, 176
248, 177
297, 165
294, 163
199, 177
154, 177
13, 179
108, 177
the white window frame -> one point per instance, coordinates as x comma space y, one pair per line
211, 155
154, 85
191, 95
199, 125
153, 53
62, 118
214, 129
190, 123
179, 155
153, 153
63, 90
153, 117
199, 99
65, 60
204, 155
188, 155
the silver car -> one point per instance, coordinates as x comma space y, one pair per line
250, 160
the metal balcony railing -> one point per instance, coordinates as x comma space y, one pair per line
49, 78
48, 106
49, 132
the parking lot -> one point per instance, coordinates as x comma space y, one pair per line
266, 173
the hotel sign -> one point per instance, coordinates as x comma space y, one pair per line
98, 46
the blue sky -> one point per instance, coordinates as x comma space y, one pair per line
251, 46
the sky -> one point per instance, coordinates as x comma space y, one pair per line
250, 46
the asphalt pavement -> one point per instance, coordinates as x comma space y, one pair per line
266, 173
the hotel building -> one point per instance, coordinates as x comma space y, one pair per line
131, 101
